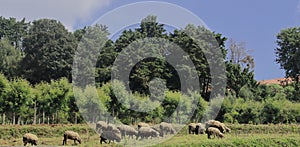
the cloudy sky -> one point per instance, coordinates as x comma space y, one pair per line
254, 22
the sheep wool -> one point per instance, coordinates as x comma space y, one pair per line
166, 128
146, 132
30, 138
71, 135
215, 132
127, 130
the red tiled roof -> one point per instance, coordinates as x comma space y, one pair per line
280, 81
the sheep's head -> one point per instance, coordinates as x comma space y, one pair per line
79, 140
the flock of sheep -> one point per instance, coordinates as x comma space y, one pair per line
211, 128
115, 133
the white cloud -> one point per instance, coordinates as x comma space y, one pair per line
67, 11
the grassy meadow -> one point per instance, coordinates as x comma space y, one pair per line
241, 135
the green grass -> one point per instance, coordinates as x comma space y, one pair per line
241, 135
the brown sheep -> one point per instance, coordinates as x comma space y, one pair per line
71, 135
215, 132
192, 128
166, 128
30, 138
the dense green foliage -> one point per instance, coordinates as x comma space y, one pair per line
288, 55
36, 83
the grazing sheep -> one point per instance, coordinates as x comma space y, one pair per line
192, 128
127, 130
166, 128
146, 132
110, 135
101, 125
142, 124
113, 128
71, 135
30, 138
215, 132
200, 128
214, 123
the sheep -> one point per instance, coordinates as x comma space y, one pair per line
101, 125
192, 128
217, 124
200, 128
142, 124
110, 135
166, 128
146, 132
71, 135
215, 132
30, 138
127, 130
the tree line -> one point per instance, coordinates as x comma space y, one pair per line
36, 81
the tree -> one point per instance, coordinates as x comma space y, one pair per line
239, 68
13, 30
240, 55
49, 50
94, 39
288, 54
4, 88
238, 77
9, 59
19, 98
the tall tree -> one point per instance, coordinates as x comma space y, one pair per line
288, 52
49, 49
288, 55
94, 40
9, 59
13, 30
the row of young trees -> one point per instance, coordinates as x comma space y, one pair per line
54, 102
37, 59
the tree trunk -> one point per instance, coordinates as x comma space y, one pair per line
75, 118
13, 118
19, 120
34, 115
53, 118
43, 116
3, 118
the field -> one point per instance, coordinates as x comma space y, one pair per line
241, 135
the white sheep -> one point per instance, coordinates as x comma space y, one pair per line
71, 135
146, 132
166, 128
30, 138
215, 132
127, 130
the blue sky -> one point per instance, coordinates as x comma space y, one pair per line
254, 22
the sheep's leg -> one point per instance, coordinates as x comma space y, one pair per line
64, 141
